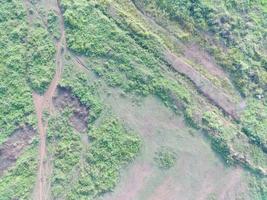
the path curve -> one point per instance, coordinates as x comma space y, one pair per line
44, 102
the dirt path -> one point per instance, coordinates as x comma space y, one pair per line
44, 102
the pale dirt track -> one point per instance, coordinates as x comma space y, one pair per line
44, 102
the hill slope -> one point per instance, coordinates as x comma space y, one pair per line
127, 99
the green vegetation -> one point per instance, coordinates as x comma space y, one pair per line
53, 24
111, 147
141, 69
26, 63
15, 96
165, 158
86, 172
41, 58
258, 187
133, 69
83, 89
19, 181
66, 149
124, 44
254, 122
240, 25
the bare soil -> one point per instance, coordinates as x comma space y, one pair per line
138, 176
195, 53
14, 146
79, 118
42, 102
217, 95
214, 94
167, 190
198, 171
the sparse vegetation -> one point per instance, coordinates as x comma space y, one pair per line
18, 182
93, 171
124, 43
111, 148
165, 158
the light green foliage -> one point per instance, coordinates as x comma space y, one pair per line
18, 183
40, 58
220, 134
85, 174
15, 96
111, 147
165, 158
66, 149
254, 121
258, 188
26, 57
81, 171
93, 31
107, 47
239, 24
53, 24
82, 88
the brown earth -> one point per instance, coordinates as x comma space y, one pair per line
195, 53
41, 103
216, 95
79, 118
14, 146
211, 92
137, 177
167, 190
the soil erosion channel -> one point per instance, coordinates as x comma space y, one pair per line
44, 102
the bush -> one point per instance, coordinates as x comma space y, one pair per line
165, 158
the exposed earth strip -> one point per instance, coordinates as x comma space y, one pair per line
42, 103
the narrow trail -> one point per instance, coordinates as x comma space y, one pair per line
44, 102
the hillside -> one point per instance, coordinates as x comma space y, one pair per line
133, 99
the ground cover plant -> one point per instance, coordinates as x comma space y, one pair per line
198, 58
165, 158
147, 78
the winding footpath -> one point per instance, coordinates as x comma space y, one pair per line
44, 102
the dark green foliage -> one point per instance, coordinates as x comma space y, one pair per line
165, 158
